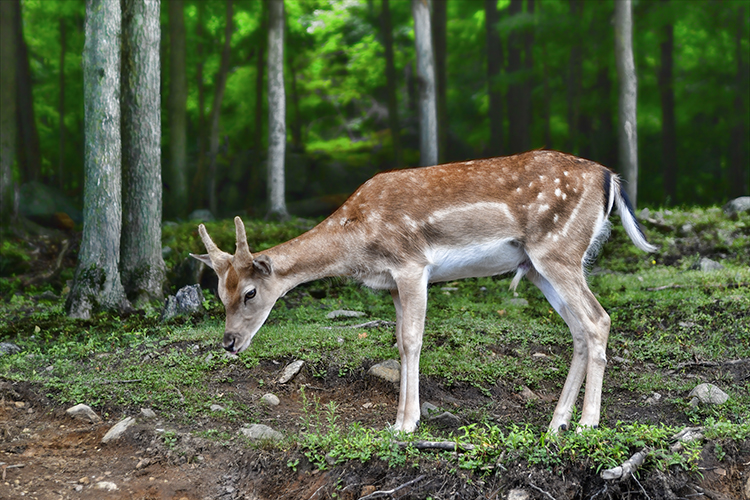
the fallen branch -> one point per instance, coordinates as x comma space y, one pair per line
370, 324
628, 467
384, 493
436, 445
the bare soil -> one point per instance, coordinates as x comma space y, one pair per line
47, 455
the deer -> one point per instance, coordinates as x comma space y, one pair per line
542, 215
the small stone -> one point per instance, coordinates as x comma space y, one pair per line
370, 489
8, 348
429, 410
270, 399
260, 432
84, 480
445, 419
734, 208
343, 313
709, 393
291, 371
188, 300
389, 370
144, 462
106, 485
215, 407
518, 302
707, 265
528, 394
118, 430
653, 399
519, 494
148, 413
84, 412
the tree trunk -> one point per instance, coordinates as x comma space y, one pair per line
297, 144
276, 111
515, 100
668, 128
628, 124
61, 110
260, 68
198, 187
221, 82
29, 153
524, 134
143, 272
391, 84
97, 285
575, 77
177, 111
8, 123
494, 67
428, 154
440, 28
739, 180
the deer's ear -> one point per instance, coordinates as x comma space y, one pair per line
203, 258
262, 264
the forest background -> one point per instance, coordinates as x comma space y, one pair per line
550, 62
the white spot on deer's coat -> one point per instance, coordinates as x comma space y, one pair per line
557, 181
555, 218
558, 192
555, 238
540, 195
564, 196
565, 173
543, 208
518, 190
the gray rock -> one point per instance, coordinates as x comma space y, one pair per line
8, 348
106, 485
118, 430
709, 394
428, 410
215, 407
389, 370
202, 215
707, 265
445, 419
529, 395
518, 302
737, 205
83, 412
343, 313
260, 432
653, 399
188, 300
148, 413
270, 399
519, 494
290, 371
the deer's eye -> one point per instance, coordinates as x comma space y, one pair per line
249, 295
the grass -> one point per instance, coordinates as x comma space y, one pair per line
667, 319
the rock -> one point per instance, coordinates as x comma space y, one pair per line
707, 265
148, 413
519, 494
270, 399
445, 419
84, 412
9, 348
202, 215
518, 302
291, 371
188, 300
343, 313
653, 399
215, 407
260, 432
736, 206
428, 410
389, 370
106, 485
710, 394
118, 430
529, 395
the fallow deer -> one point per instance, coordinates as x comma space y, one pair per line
541, 214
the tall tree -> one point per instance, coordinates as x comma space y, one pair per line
260, 68
440, 40
97, 285
739, 180
61, 107
391, 84
276, 111
628, 124
30, 152
668, 127
177, 180
494, 67
428, 151
220, 87
143, 270
515, 89
8, 52
575, 77
198, 188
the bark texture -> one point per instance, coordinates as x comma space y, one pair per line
494, 66
440, 41
177, 180
143, 270
426, 78
97, 284
668, 126
29, 154
276, 111
8, 51
391, 84
628, 124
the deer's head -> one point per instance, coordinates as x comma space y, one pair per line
247, 287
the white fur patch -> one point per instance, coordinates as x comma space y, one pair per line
475, 260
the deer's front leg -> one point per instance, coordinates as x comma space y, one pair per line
410, 301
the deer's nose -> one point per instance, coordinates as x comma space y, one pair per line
229, 341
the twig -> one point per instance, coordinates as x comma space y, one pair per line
627, 468
641, 486
436, 445
541, 491
370, 324
316, 492
383, 493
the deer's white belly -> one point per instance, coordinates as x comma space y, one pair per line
474, 260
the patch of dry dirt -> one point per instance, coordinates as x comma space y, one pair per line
48, 455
